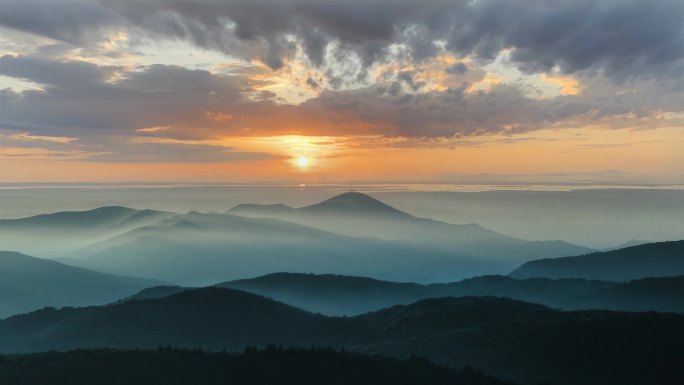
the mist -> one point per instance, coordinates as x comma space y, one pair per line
596, 218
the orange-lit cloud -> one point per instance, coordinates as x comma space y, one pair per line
566, 84
385, 90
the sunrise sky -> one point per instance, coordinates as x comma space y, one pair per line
306, 91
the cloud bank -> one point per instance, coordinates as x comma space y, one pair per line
412, 69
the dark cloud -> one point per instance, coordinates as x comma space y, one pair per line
76, 22
68, 76
457, 69
79, 95
623, 39
164, 113
312, 83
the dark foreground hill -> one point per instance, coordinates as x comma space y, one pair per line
166, 366
661, 259
510, 339
28, 283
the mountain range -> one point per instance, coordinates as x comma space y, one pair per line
360, 215
31, 283
64, 232
352, 234
347, 295
510, 339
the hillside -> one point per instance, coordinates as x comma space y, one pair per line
331, 294
510, 339
662, 259
30, 283
348, 295
649, 294
190, 318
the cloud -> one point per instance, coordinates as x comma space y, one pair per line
620, 39
25, 136
161, 152
65, 75
197, 104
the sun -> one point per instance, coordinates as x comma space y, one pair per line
302, 161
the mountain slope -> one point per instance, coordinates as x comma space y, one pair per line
516, 340
347, 295
356, 214
355, 204
344, 295
351, 234
660, 259
360, 215
648, 294
55, 234
331, 294
28, 283
211, 317
201, 249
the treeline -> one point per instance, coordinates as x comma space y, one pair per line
271, 365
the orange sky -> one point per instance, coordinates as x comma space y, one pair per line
650, 155
397, 98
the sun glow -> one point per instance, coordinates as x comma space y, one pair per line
302, 161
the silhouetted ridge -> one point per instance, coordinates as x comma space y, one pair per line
314, 281
333, 294
449, 313
659, 259
648, 294
98, 216
154, 292
510, 339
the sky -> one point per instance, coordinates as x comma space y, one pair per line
320, 91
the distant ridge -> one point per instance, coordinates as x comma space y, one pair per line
346, 295
100, 216
28, 283
660, 259
352, 233
63, 232
361, 215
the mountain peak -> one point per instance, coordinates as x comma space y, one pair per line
355, 202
